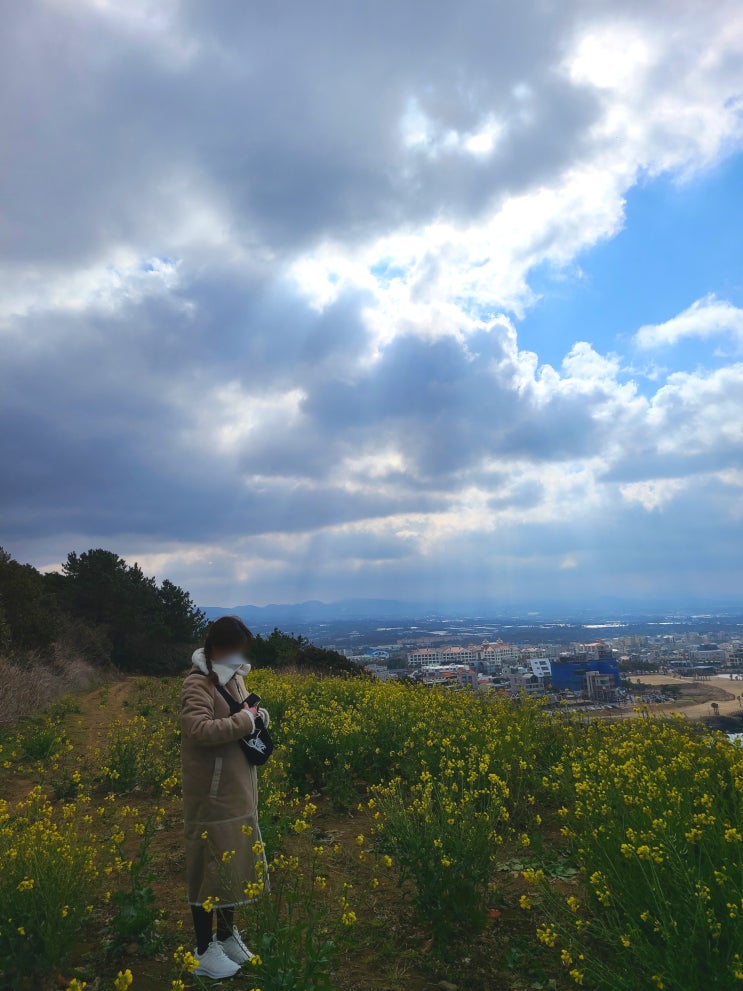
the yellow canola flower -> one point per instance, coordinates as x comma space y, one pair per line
531, 876
547, 934
189, 963
185, 960
123, 980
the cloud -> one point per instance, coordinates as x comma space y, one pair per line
693, 425
704, 318
653, 494
261, 283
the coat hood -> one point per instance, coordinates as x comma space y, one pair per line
224, 671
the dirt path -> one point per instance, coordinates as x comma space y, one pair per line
97, 708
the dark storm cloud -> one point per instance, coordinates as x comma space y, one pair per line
448, 406
291, 121
105, 407
99, 427
259, 332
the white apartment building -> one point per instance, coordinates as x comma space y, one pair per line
428, 657
500, 651
707, 653
540, 667
492, 656
495, 656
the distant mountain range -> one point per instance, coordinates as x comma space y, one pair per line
315, 611
349, 610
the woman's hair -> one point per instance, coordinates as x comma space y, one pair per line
227, 631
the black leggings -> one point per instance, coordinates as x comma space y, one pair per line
202, 923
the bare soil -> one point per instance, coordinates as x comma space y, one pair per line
696, 697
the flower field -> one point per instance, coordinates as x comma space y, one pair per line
413, 836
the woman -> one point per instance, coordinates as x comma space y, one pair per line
220, 795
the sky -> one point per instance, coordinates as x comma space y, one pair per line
429, 301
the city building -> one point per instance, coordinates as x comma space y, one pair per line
541, 667
706, 653
579, 675
428, 657
495, 655
456, 675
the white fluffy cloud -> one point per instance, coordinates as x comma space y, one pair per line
705, 317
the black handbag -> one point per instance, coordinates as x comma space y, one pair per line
258, 745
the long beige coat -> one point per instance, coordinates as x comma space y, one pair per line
220, 793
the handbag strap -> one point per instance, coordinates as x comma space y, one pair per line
231, 701
236, 706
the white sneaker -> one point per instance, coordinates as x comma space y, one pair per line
214, 962
235, 949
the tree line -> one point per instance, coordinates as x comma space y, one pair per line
109, 612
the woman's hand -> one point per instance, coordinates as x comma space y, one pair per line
252, 709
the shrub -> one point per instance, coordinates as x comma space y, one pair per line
652, 810
47, 878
